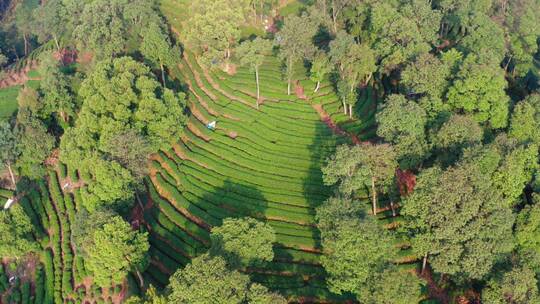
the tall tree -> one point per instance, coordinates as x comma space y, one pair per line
213, 29
152, 296
116, 250
245, 241
358, 68
355, 64
50, 21
456, 134
517, 286
485, 39
527, 230
55, 87
367, 271
157, 48
208, 280
402, 123
319, 69
337, 8
131, 150
339, 48
426, 76
525, 121
120, 96
86, 223
35, 145
16, 230
252, 54
480, 90
295, 41
366, 165
359, 249
522, 23
23, 17
452, 213
8, 148
516, 171
111, 184
392, 286
102, 29
397, 31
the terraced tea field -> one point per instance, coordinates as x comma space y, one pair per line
57, 274
261, 163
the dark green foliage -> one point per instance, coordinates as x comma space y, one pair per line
402, 123
239, 240
435, 214
49, 277
34, 144
517, 286
16, 233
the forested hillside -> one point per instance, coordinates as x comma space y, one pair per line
270, 151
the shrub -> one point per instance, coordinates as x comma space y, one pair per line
62, 170
49, 277
40, 284
25, 291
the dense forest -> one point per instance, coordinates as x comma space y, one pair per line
270, 151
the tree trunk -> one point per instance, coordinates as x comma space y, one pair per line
25, 45
289, 86
393, 209
350, 111
289, 76
15, 52
368, 79
317, 87
508, 63
334, 16
344, 107
11, 175
162, 74
56, 42
258, 90
139, 200
64, 116
374, 196
140, 277
424, 263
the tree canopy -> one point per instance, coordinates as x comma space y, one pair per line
115, 250
449, 225
207, 280
16, 233
244, 240
402, 123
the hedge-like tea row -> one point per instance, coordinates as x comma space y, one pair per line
49, 277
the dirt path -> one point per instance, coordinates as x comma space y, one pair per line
214, 85
434, 290
201, 101
197, 79
332, 125
13, 78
